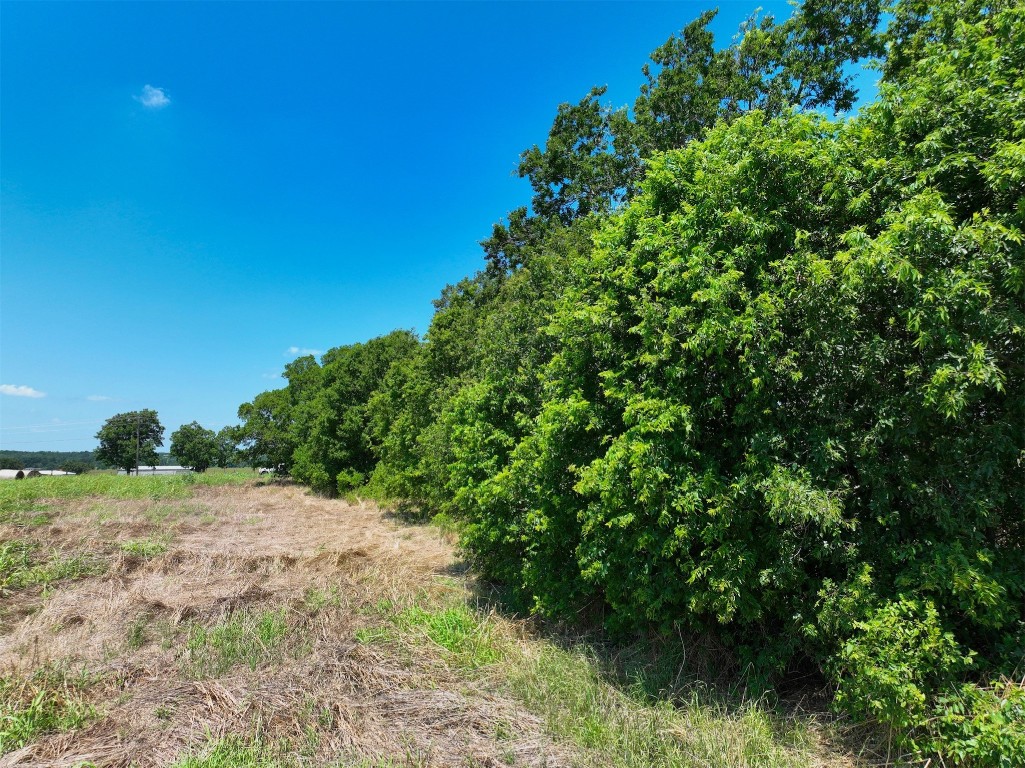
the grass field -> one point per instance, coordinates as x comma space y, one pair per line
217, 620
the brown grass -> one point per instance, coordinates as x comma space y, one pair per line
328, 564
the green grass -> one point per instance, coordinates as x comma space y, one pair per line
20, 492
460, 635
25, 564
245, 636
144, 547
566, 687
50, 702
106, 486
23, 513
230, 476
316, 600
467, 638
235, 752
583, 702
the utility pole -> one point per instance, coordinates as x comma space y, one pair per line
137, 417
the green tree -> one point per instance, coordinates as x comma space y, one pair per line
194, 447
589, 162
128, 439
593, 159
785, 399
264, 437
78, 467
227, 446
335, 452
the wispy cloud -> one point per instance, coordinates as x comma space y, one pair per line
15, 390
299, 351
270, 375
99, 398
153, 98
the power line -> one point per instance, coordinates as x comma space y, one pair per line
61, 440
51, 425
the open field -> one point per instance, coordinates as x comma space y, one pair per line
226, 622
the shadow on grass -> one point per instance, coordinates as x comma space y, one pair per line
671, 698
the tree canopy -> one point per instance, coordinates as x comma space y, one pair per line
128, 440
194, 446
744, 369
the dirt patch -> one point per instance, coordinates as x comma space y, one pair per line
283, 580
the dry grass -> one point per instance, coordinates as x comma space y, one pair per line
231, 555
259, 625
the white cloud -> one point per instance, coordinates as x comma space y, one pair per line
153, 98
99, 398
299, 351
15, 390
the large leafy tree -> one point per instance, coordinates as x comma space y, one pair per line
226, 442
333, 451
592, 161
128, 439
194, 446
786, 398
265, 437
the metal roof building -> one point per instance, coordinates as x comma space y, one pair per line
169, 470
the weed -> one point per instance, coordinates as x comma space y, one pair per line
137, 633
447, 524
244, 636
374, 635
144, 547
22, 566
315, 600
23, 513
235, 752
568, 689
466, 636
49, 702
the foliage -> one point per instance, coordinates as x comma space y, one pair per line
243, 636
795, 354
226, 447
263, 437
130, 439
334, 452
76, 467
317, 427
194, 446
751, 372
45, 459
46, 703
410, 442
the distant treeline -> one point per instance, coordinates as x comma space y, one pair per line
742, 371
59, 459
45, 459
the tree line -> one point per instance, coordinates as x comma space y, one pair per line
742, 369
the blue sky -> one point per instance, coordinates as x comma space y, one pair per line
195, 193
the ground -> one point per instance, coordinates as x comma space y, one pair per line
259, 625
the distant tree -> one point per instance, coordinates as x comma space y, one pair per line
194, 446
263, 437
78, 467
227, 446
10, 463
128, 439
